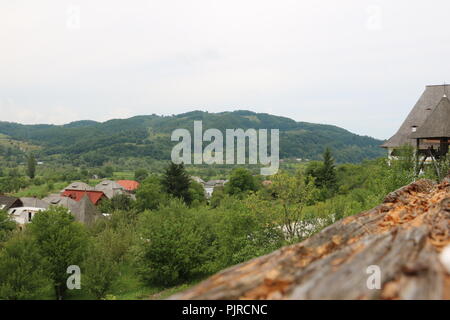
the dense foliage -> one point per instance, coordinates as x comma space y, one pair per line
161, 240
93, 144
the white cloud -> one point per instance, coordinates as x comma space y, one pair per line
338, 62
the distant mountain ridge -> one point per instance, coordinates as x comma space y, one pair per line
149, 136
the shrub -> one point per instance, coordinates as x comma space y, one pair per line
22, 270
174, 244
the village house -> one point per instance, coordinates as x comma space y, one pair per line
7, 203
25, 212
94, 195
23, 215
79, 198
59, 200
211, 185
34, 203
83, 210
110, 188
77, 185
129, 185
410, 132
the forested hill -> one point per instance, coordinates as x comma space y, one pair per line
149, 136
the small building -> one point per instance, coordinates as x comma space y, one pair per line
59, 200
110, 188
84, 210
211, 185
434, 131
424, 107
24, 215
129, 185
7, 202
94, 195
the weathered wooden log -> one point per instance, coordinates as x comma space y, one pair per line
402, 238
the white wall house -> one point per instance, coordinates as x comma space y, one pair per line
24, 215
209, 191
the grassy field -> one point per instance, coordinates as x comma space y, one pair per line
123, 175
24, 146
40, 191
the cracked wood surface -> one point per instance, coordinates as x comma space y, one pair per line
403, 237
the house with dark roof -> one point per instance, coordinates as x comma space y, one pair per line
78, 185
29, 207
435, 130
84, 210
417, 118
59, 200
34, 202
110, 188
7, 202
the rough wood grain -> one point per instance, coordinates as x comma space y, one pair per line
403, 237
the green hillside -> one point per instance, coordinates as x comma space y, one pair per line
149, 136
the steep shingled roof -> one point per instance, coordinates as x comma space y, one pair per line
421, 111
58, 200
86, 212
437, 124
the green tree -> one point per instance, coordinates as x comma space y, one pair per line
150, 194
7, 225
327, 177
22, 270
117, 202
61, 241
241, 181
244, 230
293, 193
174, 244
102, 263
197, 193
108, 171
177, 182
140, 175
217, 197
31, 166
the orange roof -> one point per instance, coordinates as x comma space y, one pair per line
77, 195
129, 185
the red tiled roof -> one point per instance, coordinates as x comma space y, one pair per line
77, 195
129, 185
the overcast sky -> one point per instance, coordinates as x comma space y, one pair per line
356, 64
